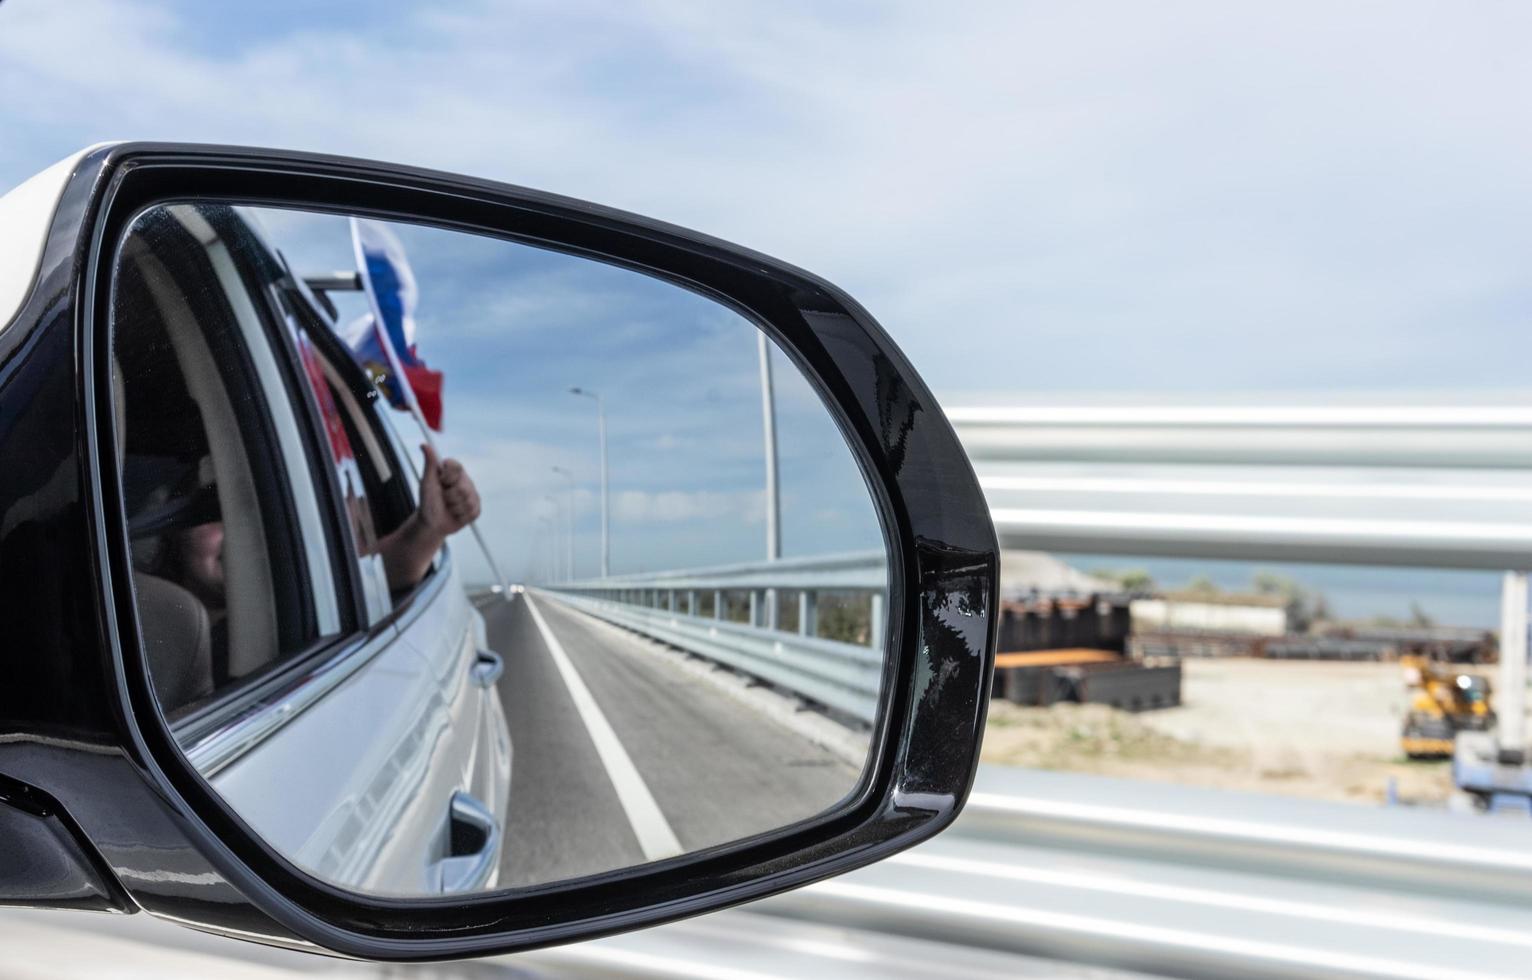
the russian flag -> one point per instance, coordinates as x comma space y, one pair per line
390, 285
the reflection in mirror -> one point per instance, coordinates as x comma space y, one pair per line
464, 564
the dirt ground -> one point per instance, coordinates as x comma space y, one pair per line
1326, 730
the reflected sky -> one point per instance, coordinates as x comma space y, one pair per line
513, 327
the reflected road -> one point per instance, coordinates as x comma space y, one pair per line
718, 768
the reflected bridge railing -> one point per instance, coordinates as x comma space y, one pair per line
811, 626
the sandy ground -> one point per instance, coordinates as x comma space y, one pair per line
1326, 730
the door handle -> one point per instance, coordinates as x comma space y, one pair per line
487, 667
473, 846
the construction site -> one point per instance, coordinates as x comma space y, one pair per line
1239, 691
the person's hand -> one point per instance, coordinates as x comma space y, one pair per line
449, 501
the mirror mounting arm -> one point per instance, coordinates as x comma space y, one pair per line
45, 861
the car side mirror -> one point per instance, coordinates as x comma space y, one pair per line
250, 689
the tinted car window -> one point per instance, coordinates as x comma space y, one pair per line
231, 551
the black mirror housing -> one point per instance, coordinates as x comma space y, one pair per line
87, 763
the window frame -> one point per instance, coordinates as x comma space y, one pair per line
365, 569
323, 330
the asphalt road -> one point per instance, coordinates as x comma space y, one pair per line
717, 769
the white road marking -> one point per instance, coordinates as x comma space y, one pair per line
655, 837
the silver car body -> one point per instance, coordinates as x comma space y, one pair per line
359, 787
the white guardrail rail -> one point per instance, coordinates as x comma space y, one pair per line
1395, 482
689, 609
1200, 882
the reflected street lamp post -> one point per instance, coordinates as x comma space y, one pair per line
773, 505
601, 434
569, 519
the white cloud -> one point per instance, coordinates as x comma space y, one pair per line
1187, 194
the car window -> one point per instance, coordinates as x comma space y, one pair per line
231, 547
378, 495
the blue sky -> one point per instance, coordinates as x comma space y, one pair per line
512, 328
1037, 198
1201, 196
1300, 196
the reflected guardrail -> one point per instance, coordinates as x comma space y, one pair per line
1387, 483
732, 615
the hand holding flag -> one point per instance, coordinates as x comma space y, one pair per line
383, 341
449, 501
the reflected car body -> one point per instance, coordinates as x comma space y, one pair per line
383, 755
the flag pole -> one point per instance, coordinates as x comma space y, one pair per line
396, 368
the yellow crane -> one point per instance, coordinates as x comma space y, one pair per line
1443, 702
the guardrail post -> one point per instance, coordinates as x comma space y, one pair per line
755, 607
718, 603
1511, 697
875, 621
670, 600
772, 610
807, 610
691, 603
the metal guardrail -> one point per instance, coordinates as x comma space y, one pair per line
1440, 486
1200, 882
1217, 883
688, 608
865, 571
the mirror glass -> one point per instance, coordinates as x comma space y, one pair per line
464, 564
